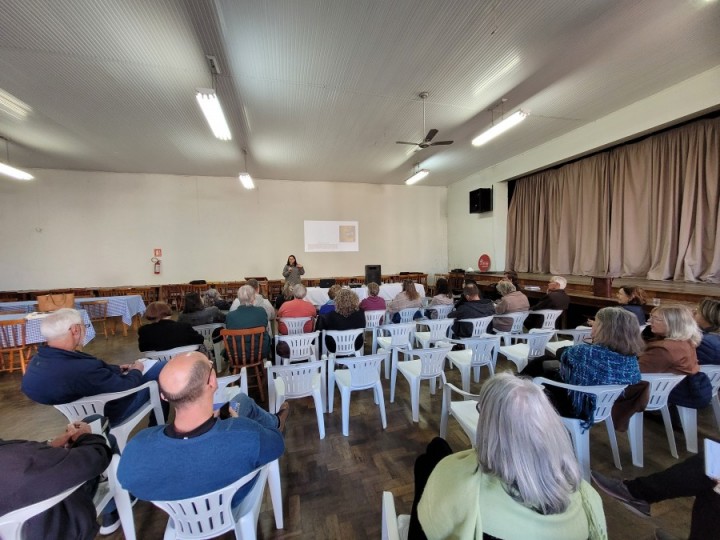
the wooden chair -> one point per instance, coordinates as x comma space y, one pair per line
174, 294
97, 312
244, 349
274, 289
12, 344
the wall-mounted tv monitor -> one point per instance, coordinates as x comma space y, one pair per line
481, 200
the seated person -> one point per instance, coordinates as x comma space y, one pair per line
521, 481
555, 298
59, 373
473, 307
35, 471
329, 306
373, 302
198, 453
633, 299
347, 315
673, 351
260, 301
297, 307
443, 296
512, 301
195, 313
405, 299
707, 316
248, 315
285, 295
163, 333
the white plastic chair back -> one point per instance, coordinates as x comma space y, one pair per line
431, 360
224, 393
406, 315
344, 341
661, 384
210, 515
480, 325
439, 329
302, 346
442, 310
549, 317
522, 353
518, 318
713, 373
401, 334
536, 341
83, 407
464, 411
394, 527
112, 489
295, 325
373, 318
578, 334
11, 523
170, 353
298, 381
206, 331
364, 371
478, 352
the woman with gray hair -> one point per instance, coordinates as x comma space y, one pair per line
512, 301
521, 481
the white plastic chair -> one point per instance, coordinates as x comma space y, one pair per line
113, 490
578, 336
713, 373
361, 374
206, 331
294, 325
605, 396
549, 317
478, 352
83, 407
394, 527
373, 318
442, 310
438, 331
298, 381
302, 347
406, 315
210, 515
428, 366
170, 353
344, 341
465, 412
518, 318
534, 347
661, 384
223, 394
399, 337
479, 324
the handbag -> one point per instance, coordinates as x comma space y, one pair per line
53, 302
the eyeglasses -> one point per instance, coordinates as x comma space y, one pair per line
656, 318
212, 368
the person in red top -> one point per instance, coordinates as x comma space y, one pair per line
297, 307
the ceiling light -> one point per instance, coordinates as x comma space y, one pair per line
210, 105
499, 128
12, 171
415, 178
244, 177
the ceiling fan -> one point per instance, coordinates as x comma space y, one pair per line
430, 134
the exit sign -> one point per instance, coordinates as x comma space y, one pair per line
157, 252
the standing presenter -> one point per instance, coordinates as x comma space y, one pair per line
293, 271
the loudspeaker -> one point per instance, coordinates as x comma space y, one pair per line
373, 274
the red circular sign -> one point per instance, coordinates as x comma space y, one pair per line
484, 263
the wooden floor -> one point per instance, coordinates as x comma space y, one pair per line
332, 487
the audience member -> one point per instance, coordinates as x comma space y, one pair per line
195, 313
248, 315
260, 301
198, 453
297, 307
59, 373
405, 299
163, 333
633, 299
555, 298
292, 271
673, 351
521, 481
373, 302
685, 479
512, 277
329, 306
35, 471
443, 294
512, 301
474, 307
285, 295
707, 316
346, 316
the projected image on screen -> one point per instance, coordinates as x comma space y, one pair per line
331, 236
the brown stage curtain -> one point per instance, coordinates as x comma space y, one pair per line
647, 209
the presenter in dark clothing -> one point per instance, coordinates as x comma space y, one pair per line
292, 271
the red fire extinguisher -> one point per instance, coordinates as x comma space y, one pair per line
156, 266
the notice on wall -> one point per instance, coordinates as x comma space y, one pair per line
331, 236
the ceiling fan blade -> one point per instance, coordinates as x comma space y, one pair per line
441, 143
405, 142
430, 135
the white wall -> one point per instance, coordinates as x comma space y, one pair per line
470, 235
77, 229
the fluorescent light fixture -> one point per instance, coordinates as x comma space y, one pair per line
500, 127
210, 105
246, 180
15, 173
415, 178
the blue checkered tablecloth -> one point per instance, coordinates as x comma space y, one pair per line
119, 306
27, 306
32, 327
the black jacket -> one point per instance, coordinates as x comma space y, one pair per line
471, 309
167, 334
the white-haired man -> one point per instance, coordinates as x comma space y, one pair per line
60, 373
555, 298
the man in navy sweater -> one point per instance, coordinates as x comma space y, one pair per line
198, 453
60, 373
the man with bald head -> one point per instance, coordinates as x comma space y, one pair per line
198, 453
